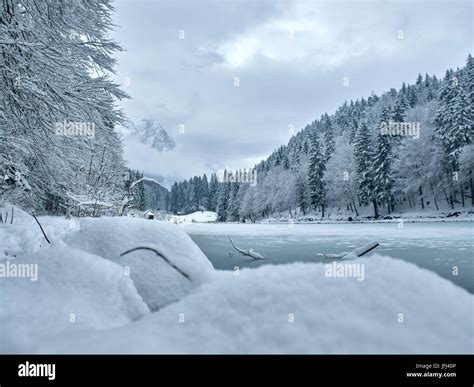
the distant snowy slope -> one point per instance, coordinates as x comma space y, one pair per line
196, 217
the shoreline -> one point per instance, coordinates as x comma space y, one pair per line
380, 221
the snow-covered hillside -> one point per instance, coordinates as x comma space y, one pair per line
87, 298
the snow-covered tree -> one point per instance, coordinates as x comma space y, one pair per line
233, 203
363, 155
58, 110
223, 195
316, 170
213, 190
329, 144
382, 169
340, 177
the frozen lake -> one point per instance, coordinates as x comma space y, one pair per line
435, 246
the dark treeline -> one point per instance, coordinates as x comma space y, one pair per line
219, 193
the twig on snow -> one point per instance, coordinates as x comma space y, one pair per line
160, 255
41, 228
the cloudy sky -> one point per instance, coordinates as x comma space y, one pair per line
238, 73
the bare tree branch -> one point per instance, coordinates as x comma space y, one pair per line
160, 255
39, 224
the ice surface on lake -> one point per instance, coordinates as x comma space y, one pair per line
440, 247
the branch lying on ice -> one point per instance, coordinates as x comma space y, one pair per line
356, 253
160, 255
249, 253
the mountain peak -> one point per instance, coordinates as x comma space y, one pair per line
152, 133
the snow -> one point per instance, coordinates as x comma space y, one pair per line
195, 217
291, 308
74, 291
157, 282
251, 313
24, 234
341, 216
145, 178
84, 201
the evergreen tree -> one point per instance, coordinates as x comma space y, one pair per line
213, 191
453, 119
383, 180
419, 80
412, 96
469, 79
303, 201
136, 190
223, 194
173, 200
205, 199
316, 173
468, 86
233, 203
398, 112
329, 144
181, 197
363, 156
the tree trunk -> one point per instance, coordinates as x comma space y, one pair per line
376, 211
462, 194
446, 196
472, 187
434, 196
355, 207
420, 191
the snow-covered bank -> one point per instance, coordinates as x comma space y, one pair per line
461, 215
195, 217
74, 291
81, 282
295, 308
89, 299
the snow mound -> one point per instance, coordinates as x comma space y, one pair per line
87, 298
21, 235
74, 291
157, 281
397, 308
